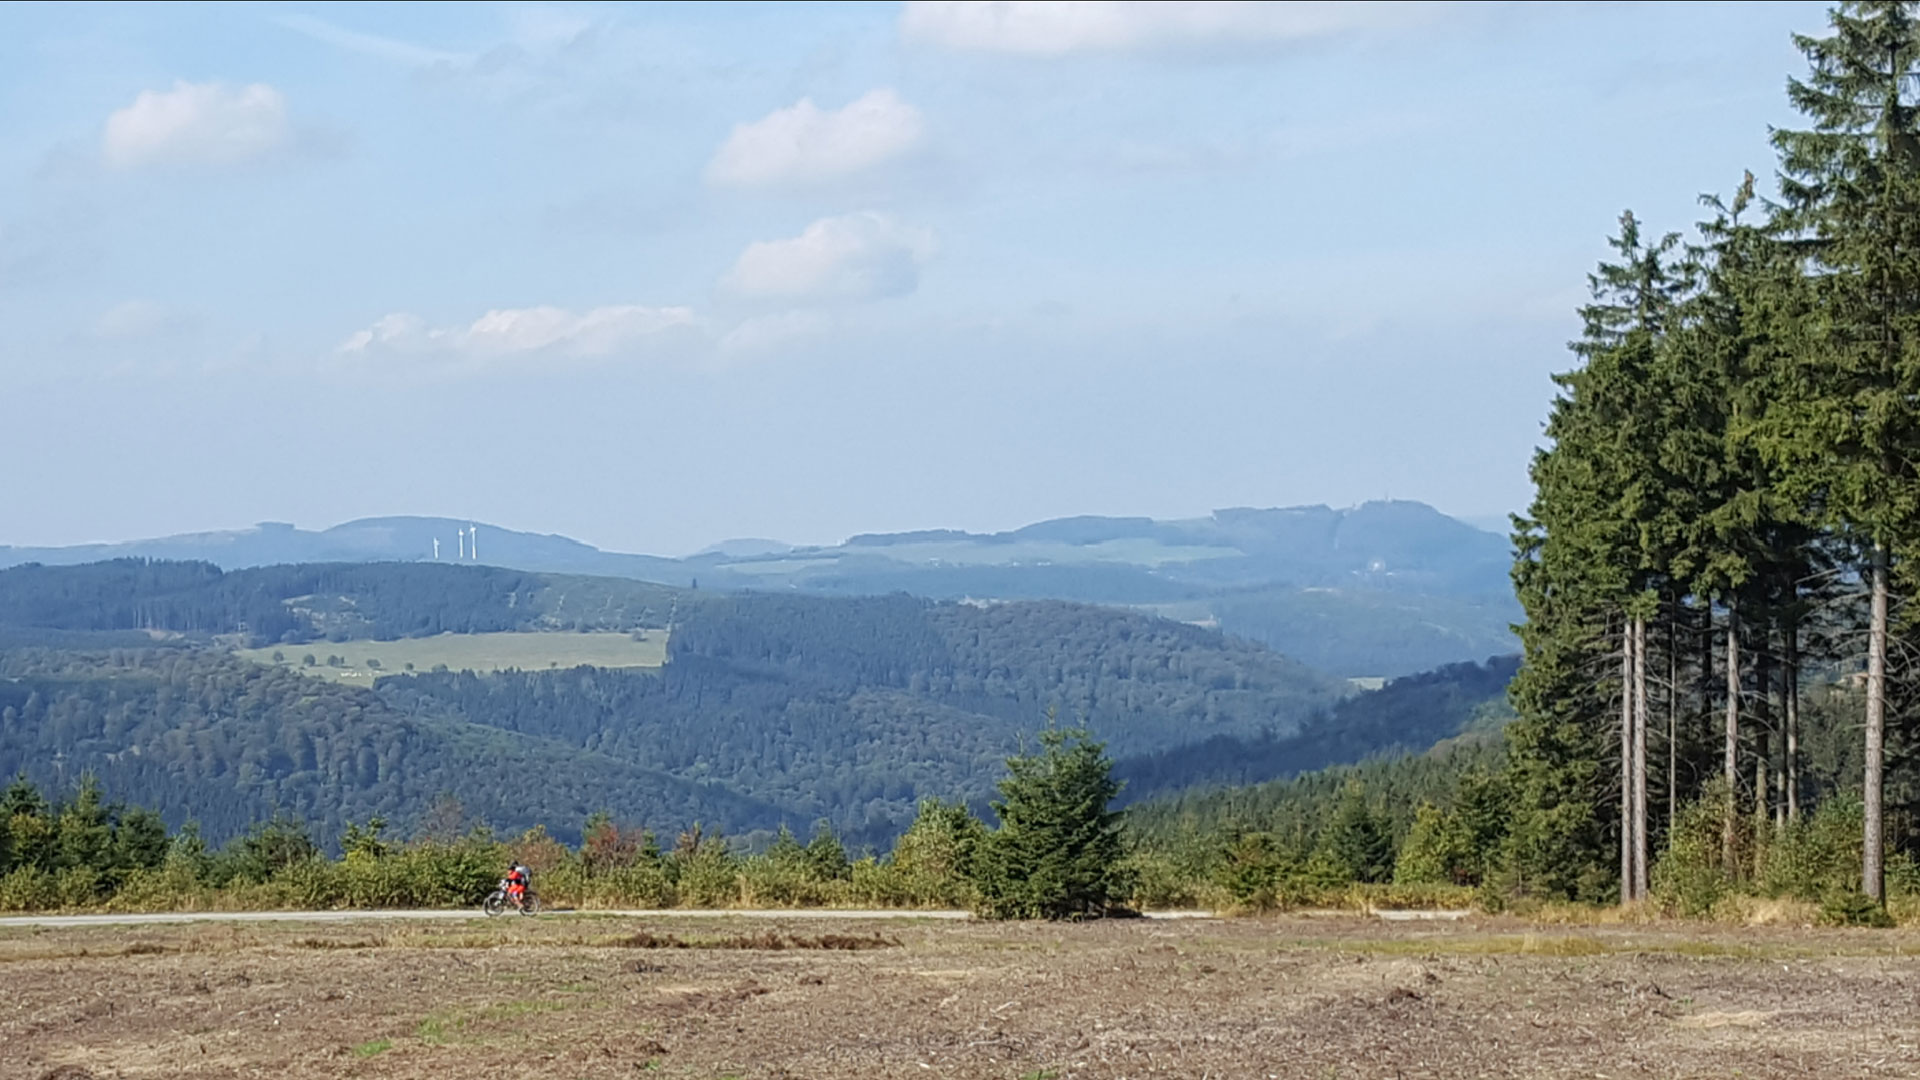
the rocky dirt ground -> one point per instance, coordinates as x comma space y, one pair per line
1285, 997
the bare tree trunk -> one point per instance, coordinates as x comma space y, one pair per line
1673, 716
1790, 766
1780, 774
1872, 866
1731, 767
1626, 761
1762, 729
1761, 810
1706, 638
1639, 759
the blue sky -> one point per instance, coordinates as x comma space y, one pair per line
655, 276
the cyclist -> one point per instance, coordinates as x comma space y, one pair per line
518, 878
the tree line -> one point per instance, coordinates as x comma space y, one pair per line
1055, 852
1727, 516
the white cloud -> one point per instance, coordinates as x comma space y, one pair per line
806, 144
1041, 28
521, 332
197, 124
855, 257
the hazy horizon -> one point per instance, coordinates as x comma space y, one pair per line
657, 277
1483, 524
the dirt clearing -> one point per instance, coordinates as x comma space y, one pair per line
1292, 997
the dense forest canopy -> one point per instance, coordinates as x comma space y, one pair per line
771, 709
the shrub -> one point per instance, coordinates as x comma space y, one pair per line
1816, 857
1689, 879
933, 861
1255, 869
704, 871
1851, 907
1160, 883
28, 888
644, 885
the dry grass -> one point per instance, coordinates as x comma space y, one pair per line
600, 998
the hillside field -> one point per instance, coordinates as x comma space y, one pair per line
364, 660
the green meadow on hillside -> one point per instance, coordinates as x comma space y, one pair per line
360, 662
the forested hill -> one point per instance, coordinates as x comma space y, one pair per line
309, 602
197, 734
1408, 715
771, 707
1382, 589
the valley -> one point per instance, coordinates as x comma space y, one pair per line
539, 699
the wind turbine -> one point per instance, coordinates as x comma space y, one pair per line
473, 542
436, 549
463, 542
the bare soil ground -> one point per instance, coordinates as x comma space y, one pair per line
1284, 997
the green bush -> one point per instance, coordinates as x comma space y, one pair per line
1690, 878
770, 881
933, 861
1813, 858
1851, 907
28, 888
705, 873
1256, 870
173, 887
643, 885
1160, 883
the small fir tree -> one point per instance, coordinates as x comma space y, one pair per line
1356, 840
1057, 853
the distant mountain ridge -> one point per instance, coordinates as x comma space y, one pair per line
1384, 588
381, 539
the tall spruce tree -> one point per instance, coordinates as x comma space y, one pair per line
1846, 432
1740, 543
1590, 559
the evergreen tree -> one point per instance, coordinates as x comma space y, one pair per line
83, 830
1851, 186
1590, 558
826, 856
1426, 855
1478, 824
1057, 852
139, 842
786, 851
21, 808
1356, 840
1740, 542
